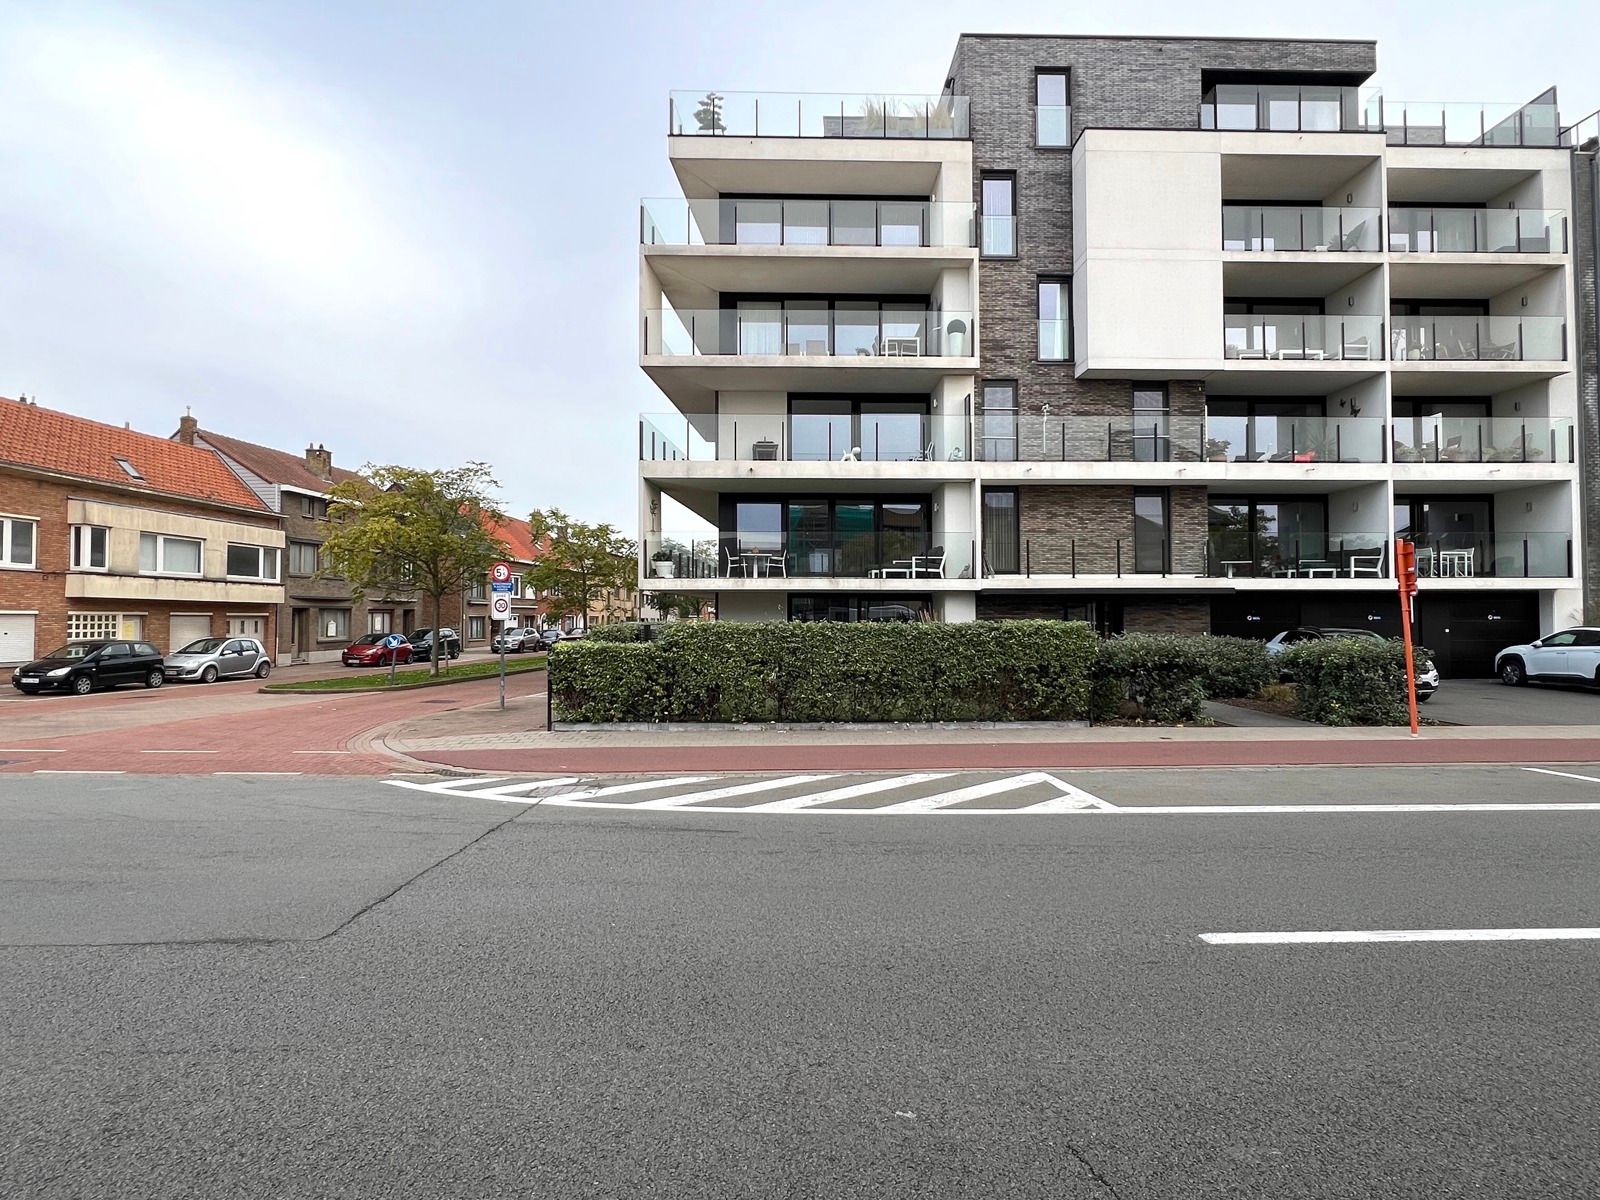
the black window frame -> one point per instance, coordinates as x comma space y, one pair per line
1015, 413
989, 567
1010, 178
1064, 282
1165, 496
1065, 73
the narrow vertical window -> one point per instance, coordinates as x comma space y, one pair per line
999, 196
997, 422
1150, 436
1052, 113
1055, 319
1150, 545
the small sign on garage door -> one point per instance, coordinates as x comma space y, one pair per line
16, 637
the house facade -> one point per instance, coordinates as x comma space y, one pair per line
1167, 334
520, 549
105, 532
321, 612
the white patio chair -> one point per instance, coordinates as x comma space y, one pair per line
1366, 564
733, 563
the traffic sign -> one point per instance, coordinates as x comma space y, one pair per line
501, 589
500, 572
500, 607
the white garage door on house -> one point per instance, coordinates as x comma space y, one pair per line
189, 627
16, 637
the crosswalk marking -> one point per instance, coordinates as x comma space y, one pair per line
977, 791
639, 785
794, 803
762, 785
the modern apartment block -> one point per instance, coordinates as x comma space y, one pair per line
1164, 334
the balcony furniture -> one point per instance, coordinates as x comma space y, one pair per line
1234, 351
1302, 354
1457, 564
851, 455
1425, 561
902, 347
927, 454
1353, 236
900, 568
764, 450
1359, 350
1319, 570
732, 564
929, 566
1366, 564
1230, 566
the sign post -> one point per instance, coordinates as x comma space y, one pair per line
1405, 559
500, 610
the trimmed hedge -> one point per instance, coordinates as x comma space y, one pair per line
1235, 667
805, 671
1351, 681
622, 631
1167, 678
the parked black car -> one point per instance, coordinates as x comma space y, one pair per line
516, 641
422, 645
549, 637
81, 667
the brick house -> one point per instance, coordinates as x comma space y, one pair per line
470, 610
321, 612
105, 532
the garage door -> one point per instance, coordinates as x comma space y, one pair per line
188, 629
16, 637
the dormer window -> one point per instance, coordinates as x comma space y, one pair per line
128, 468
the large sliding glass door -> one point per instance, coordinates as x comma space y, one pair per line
1268, 537
1002, 532
826, 429
823, 537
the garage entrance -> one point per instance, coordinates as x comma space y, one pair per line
1465, 632
16, 637
186, 628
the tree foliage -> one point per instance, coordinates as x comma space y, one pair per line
583, 562
400, 527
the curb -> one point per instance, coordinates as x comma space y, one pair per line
389, 690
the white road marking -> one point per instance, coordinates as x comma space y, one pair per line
976, 792
1320, 937
1072, 799
80, 772
793, 803
510, 789
441, 786
255, 772
1562, 774
1245, 810
742, 789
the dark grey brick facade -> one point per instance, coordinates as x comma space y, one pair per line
1586, 245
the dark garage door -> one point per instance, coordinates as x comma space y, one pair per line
1465, 632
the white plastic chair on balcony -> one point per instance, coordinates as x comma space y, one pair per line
732, 564
1366, 564
929, 566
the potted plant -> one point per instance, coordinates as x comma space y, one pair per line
661, 564
1217, 450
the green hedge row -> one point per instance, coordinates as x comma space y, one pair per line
1351, 681
1167, 678
801, 671
622, 631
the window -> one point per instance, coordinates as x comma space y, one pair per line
1002, 533
380, 620
89, 547
252, 562
19, 542
315, 507
860, 608
478, 591
997, 422
1055, 319
1052, 116
128, 469
1151, 442
92, 627
303, 558
1150, 548
516, 587
999, 238
163, 555
825, 429
1275, 538
477, 628
333, 624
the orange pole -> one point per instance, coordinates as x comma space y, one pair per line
1404, 555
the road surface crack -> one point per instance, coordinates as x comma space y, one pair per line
1094, 1172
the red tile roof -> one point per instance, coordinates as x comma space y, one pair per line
56, 441
275, 466
518, 539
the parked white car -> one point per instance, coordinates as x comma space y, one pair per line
1571, 656
210, 659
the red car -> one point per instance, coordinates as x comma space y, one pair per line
376, 650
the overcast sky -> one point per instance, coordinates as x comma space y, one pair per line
410, 231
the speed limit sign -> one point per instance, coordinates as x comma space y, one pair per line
500, 572
500, 608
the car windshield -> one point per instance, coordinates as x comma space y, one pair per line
204, 646
422, 635
370, 639
76, 650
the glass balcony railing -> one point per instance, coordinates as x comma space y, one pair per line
1477, 231
1285, 228
1430, 123
816, 114
1053, 125
1291, 108
1442, 439
804, 437
803, 221
1055, 340
1294, 338
997, 236
1498, 554
820, 332
1478, 339
1276, 440
1240, 554
915, 557
1071, 553
1000, 436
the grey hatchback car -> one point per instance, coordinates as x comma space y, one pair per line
210, 659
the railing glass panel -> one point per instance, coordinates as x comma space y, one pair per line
816, 114
1431, 123
1502, 554
1443, 439
808, 549
1478, 339
850, 329
674, 221
1477, 231
1286, 337
1279, 227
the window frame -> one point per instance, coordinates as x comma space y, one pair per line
161, 568
1010, 178
383, 617
314, 508
261, 555
300, 545
1064, 282
1065, 74
477, 628
8, 522
1015, 412
322, 623
77, 536
1164, 495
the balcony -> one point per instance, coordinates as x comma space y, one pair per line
897, 437
1494, 555
1478, 339
1296, 338
1430, 123
1291, 108
1069, 554
771, 559
809, 329
1236, 553
1477, 231
1315, 229
1287, 440
1440, 439
816, 115
803, 221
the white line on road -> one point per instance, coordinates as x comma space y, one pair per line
1319, 937
742, 789
80, 772
255, 772
1562, 774
792, 803
976, 792
1243, 810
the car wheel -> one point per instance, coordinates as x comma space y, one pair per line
1512, 673
264, 669
155, 678
1424, 697
209, 675
83, 685
454, 654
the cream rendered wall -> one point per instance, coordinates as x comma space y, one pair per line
1366, 510
1147, 238
950, 406
127, 523
1560, 608
744, 418
955, 526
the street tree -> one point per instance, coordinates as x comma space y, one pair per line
404, 527
583, 562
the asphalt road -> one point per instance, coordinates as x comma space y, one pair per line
1490, 702
308, 987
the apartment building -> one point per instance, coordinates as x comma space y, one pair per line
321, 612
1166, 334
105, 532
